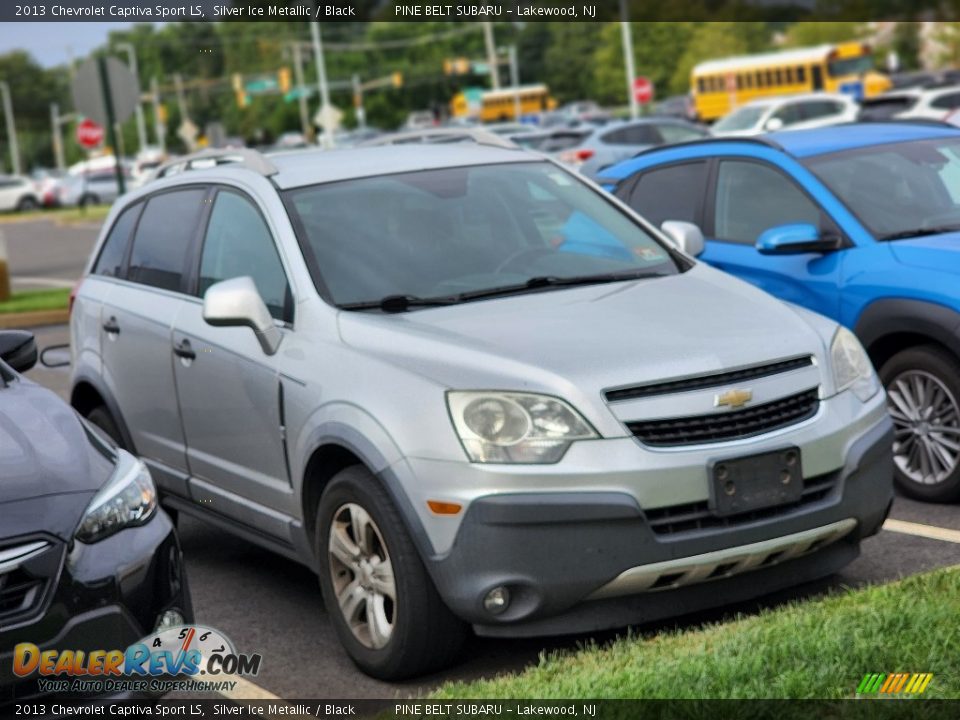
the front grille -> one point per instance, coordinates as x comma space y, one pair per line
26, 571
708, 381
690, 517
734, 425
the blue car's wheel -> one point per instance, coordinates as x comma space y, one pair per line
923, 391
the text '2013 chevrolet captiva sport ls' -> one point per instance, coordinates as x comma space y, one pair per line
470, 389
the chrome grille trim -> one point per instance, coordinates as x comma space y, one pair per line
13, 557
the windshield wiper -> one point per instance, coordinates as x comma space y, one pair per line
920, 232
402, 303
398, 303
549, 281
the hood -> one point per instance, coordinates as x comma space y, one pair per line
933, 252
583, 340
48, 467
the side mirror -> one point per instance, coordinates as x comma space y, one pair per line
685, 236
236, 303
18, 349
796, 239
773, 124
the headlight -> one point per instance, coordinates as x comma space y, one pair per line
851, 367
128, 498
505, 427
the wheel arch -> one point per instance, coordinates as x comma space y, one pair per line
888, 326
88, 394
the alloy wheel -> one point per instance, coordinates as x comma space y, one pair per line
362, 576
926, 418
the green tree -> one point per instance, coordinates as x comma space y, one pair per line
806, 34
32, 90
715, 40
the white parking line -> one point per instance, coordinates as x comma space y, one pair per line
919, 530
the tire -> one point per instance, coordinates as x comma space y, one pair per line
923, 396
27, 203
416, 632
100, 417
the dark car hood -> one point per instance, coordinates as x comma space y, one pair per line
934, 252
48, 467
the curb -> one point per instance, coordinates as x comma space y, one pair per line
36, 318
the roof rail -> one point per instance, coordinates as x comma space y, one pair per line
203, 159
443, 135
713, 140
934, 122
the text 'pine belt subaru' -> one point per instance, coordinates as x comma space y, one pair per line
468, 388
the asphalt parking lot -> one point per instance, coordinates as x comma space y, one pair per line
270, 605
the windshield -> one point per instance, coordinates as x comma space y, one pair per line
743, 119
442, 233
898, 190
850, 66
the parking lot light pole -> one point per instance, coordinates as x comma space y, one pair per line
159, 126
11, 127
491, 55
627, 35
327, 136
141, 126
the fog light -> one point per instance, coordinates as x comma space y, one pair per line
170, 618
497, 600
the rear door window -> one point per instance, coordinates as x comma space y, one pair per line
164, 236
110, 262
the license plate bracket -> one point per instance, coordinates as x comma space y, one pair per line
754, 482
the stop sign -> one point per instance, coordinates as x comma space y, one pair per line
89, 134
642, 90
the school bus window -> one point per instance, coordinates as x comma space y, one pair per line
789, 72
779, 76
801, 74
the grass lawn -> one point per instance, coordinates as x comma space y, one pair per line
816, 649
31, 300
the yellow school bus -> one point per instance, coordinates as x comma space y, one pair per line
718, 86
501, 105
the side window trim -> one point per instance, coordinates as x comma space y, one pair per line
194, 289
826, 219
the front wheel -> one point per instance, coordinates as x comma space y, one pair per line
923, 396
381, 601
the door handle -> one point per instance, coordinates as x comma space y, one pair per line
183, 350
111, 326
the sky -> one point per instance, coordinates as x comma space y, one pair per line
51, 42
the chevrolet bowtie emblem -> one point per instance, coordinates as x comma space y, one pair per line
732, 398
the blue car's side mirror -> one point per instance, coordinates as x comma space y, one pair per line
796, 239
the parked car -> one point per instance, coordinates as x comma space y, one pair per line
97, 187
912, 103
88, 561
860, 223
467, 389
678, 106
787, 112
46, 185
17, 193
616, 141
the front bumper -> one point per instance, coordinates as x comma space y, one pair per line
105, 596
560, 551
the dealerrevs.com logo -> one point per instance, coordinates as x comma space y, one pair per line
183, 658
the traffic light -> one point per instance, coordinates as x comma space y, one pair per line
456, 66
283, 79
397, 79
240, 91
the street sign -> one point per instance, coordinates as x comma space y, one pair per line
89, 134
329, 118
88, 91
642, 90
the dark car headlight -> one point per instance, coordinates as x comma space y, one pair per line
129, 498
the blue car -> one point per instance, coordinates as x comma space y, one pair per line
858, 222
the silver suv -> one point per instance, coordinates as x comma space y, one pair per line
468, 388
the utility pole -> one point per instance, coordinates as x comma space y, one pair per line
358, 101
181, 99
515, 81
159, 127
327, 136
301, 92
57, 136
11, 127
132, 62
628, 56
491, 55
